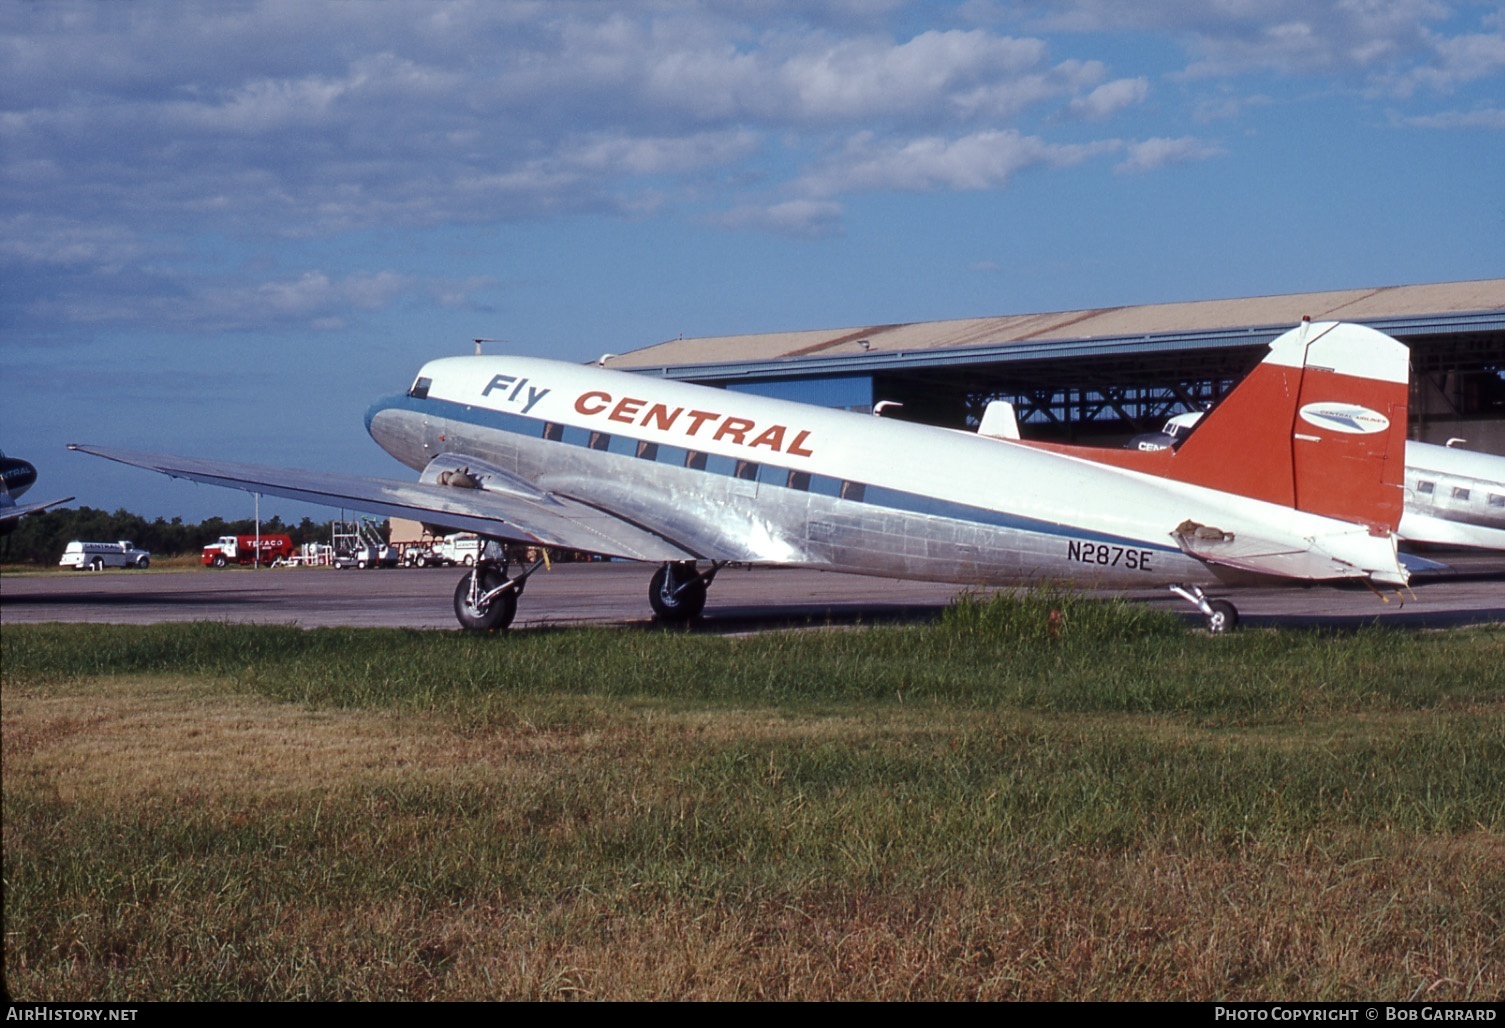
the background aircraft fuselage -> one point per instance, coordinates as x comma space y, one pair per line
18, 475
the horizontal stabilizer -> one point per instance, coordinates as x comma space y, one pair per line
1336, 555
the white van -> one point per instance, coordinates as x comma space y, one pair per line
462, 548
98, 556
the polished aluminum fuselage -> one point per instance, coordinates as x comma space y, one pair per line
729, 476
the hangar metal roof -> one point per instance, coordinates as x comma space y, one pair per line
1401, 310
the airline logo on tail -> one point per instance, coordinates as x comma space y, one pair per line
1347, 418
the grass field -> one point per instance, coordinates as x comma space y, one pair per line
1003, 805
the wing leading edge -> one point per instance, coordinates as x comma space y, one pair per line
537, 518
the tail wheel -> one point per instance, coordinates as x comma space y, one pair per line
1224, 617
677, 594
481, 615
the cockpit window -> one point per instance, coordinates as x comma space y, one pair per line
420, 390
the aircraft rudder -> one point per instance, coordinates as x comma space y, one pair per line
1350, 433
1318, 425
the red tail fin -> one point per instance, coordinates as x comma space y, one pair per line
1320, 425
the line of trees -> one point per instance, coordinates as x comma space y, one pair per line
41, 538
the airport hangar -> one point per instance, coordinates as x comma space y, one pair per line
1102, 376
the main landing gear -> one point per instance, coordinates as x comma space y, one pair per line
486, 596
677, 591
1221, 615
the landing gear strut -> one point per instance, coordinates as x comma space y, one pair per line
486, 597
1221, 615
678, 591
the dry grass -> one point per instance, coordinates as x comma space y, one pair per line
202, 843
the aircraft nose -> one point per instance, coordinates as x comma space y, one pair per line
385, 403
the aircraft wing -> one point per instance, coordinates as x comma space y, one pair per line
15, 511
511, 512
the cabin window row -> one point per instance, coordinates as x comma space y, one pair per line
698, 460
1460, 493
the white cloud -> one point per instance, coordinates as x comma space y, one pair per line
1151, 154
130, 134
448, 113
1109, 98
60, 242
981, 160
314, 291
871, 76
1458, 60
1394, 46
275, 120
646, 155
1227, 105
178, 297
802, 219
1479, 118
1295, 51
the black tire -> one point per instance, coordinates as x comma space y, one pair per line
676, 606
1224, 617
219, 561
496, 615
144, 563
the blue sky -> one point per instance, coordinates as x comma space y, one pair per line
226, 228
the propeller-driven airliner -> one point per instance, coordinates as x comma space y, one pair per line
1295, 476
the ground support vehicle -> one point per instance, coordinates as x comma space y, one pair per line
82, 556
247, 549
359, 544
462, 549
311, 555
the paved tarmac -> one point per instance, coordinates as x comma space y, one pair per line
741, 600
